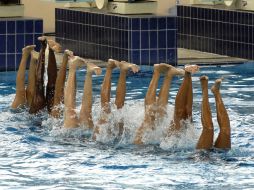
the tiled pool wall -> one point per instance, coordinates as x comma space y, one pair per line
145, 39
15, 33
225, 32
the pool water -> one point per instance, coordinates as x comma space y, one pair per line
37, 153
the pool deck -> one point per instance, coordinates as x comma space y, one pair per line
186, 56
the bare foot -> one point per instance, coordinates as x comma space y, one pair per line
75, 62
28, 49
175, 71
123, 65
112, 63
191, 68
93, 68
56, 47
216, 87
35, 54
68, 52
204, 77
42, 38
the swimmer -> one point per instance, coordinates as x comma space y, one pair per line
184, 100
223, 140
71, 119
52, 73
31, 77
20, 97
120, 91
59, 86
85, 117
206, 139
39, 100
155, 107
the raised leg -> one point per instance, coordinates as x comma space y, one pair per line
70, 116
59, 87
31, 77
39, 101
52, 73
162, 101
105, 95
85, 117
184, 99
20, 97
206, 138
224, 140
121, 87
150, 103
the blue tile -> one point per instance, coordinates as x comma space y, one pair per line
162, 23
11, 43
29, 26
11, 27
162, 55
29, 39
135, 57
171, 23
162, 39
38, 26
135, 24
171, 38
2, 27
20, 42
2, 62
144, 23
153, 56
144, 40
171, 56
153, 24
125, 42
20, 26
18, 59
145, 57
153, 40
3, 44
135, 40
11, 65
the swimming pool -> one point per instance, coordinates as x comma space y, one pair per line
35, 153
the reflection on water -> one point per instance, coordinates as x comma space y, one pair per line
37, 153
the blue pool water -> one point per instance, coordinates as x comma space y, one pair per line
36, 153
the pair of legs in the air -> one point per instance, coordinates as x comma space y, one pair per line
206, 139
71, 119
120, 92
156, 108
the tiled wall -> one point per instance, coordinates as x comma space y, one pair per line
144, 39
226, 32
15, 33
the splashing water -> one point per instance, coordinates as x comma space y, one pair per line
38, 153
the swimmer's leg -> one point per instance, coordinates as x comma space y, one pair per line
224, 140
31, 77
70, 115
184, 99
162, 101
206, 138
52, 73
121, 87
59, 87
39, 101
105, 95
85, 117
150, 107
20, 97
